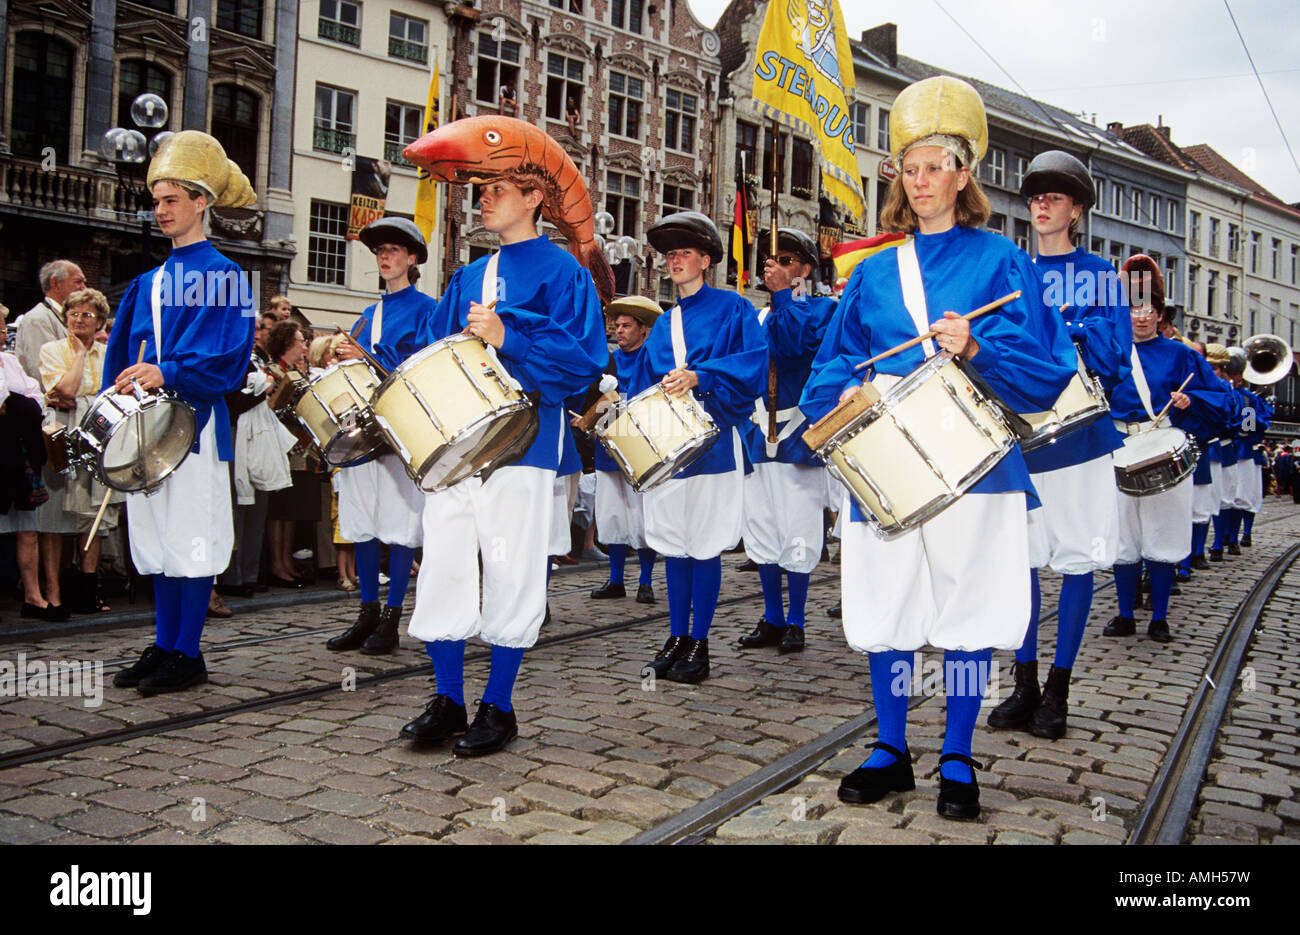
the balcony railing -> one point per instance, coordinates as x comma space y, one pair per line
329, 140
411, 51
63, 189
339, 32
393, 153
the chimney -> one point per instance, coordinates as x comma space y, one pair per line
883, 41
1115, 127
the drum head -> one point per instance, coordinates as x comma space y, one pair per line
147, 445
347, 449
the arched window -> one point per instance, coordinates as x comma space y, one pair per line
236, 115
42, 108
135, 77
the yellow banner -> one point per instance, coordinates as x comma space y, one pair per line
803, 77
426, 191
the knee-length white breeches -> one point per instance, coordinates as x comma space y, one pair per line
620, 513
1077, 528
783, 515
378, 500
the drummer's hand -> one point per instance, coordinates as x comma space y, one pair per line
485, 324
680, 381
348, 351
952, 334
775, 276
1181, 400
147, 375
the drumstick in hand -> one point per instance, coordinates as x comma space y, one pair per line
969, 316
1167, 405
103, 504
379, 368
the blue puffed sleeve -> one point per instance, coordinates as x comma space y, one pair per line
845, 345
1095, 309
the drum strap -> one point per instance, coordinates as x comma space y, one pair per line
155, 302
490, 279
1140, 381
909, 276
679, 337
377, 324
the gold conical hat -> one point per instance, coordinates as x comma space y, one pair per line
239, 192
939, 106
196, 158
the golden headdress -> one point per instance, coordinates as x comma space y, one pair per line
939, 111
194, 158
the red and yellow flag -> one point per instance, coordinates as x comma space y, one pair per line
741, 234
846, 256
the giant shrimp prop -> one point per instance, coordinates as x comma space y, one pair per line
484, 149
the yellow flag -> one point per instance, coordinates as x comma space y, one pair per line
803, 77
426, 192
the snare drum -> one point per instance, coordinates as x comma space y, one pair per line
56, 440
1082, 402
1154, 461
133, 441
334, 408
452, 410
655, 435
908, 455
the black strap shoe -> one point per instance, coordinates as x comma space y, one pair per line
960, 800
1234, 549
763, 634
177, 673
1120, 626
441, 719
1216, 555
147, 664
1199, 563
663, 661
835, 611
384, 640
1158, 630
749, 565
1049, 720
609, 590
692, 666
491, 731
1016, 712
792, 641
355, 635
1246, 542
864, 786
645, 594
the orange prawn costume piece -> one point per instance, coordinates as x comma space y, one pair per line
485, 149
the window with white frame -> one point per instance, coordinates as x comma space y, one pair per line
1137, 204
861, 121
1155, 211
679, 121
1194, 235
1193, 283
626, 98
335, 126
564, 85
498, 67
340, 20
678, 198
623, 202
1117, 199
327, 245
1214, 237
402, 125
1171, 219
1022, 234
1234, 243
882, 128
1254, 251
997, 167
1277, 260
1021, 165
408, 38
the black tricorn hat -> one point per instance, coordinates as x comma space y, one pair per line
796, 241
686, 229
398, 231
1056, 171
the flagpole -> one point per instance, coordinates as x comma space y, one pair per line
773, 385
446, 227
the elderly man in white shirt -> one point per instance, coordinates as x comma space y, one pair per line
43, 322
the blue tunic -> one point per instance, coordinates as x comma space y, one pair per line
1024, 352
624, 363
1098, 321
726, 351
399, 330
207, 318
794, 329
1256, 414
555, 333
1165, 364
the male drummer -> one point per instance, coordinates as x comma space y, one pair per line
1257, 415
377, 501
1157, 527
620, 513
197, 345
540, 311
1076, 530
785, 494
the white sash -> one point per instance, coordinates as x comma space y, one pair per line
909, 276
490, 279
679, 337
792, 417
155, 301
1140, 381
377, 324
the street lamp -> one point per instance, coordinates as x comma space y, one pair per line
130, 150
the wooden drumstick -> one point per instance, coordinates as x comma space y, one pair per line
1167, 405
379, 368
490, 306
969, 316
103, 504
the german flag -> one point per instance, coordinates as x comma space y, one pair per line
741, 234
848, 255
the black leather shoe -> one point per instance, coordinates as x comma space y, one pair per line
1120, 626
1234, 549
384, 640
235, 590
1246, 542
835, 611
1158, 630
749, 565
1216, 555
441, 719
645, 594
1173, 589
177, 673
294, 583
664, 660
864, 786
763, 634
1199, 563
355, 635
1049, 720
1016, 712
491, 731
959, 800
147, 664
54, 613
609, 590
792, 641
692, 666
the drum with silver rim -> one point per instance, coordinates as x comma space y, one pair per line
654, 436
132, 442
334, 407
1154, 461
1081, 403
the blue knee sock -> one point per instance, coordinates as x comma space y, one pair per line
1185, 566
1126, 587
448, 658
706, 584
1028, 650
502, 675
167, 611
195, 594
1162, 582
965, 676
1200, 531
773, 600
399, 573
367, 554
1220, 529
1247, 522
891, 685
1072, 617
678, 571
798, 598
1234, 525
647, 558
617, 562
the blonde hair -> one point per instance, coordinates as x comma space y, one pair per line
972, 208
323, 348
92, 297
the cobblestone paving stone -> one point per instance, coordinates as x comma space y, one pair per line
602, 754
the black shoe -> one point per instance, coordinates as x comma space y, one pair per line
645, 594
792, 642
1016, 712
1246, 543
147, 664
294, 583
835, 611
1234, 549
1173, 589
609, 590
749, 565
1049, 720
864, 786
547, 619
235, 590
1158, 630
1199, 563
177, 673
1120, 626
441, 719
355, 635
50, 612
384, 640
491, 731
664, 660
1216, 555
763, 634
692, 665
1182, 574
959, 799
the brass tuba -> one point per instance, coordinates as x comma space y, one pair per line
1268, 359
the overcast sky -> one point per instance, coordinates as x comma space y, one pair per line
1126, 60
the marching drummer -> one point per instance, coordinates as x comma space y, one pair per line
1076, 530
377, 502
957, 581
1157, 527
785, 494
1257, 415
710, 347
182, 535
1208, 483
